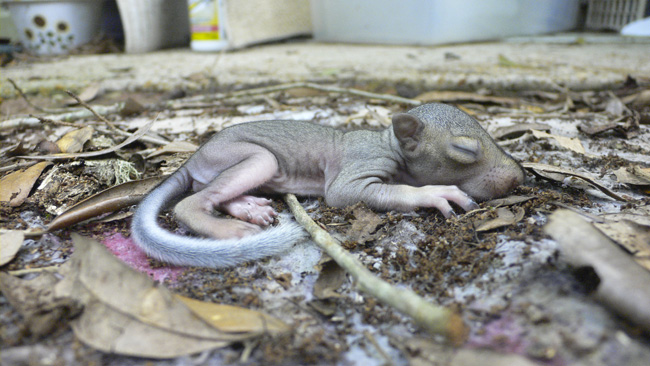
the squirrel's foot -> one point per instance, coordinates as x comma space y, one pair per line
251, 209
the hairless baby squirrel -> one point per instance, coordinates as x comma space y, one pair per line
431, 155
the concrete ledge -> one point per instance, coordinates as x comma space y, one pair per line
530, 65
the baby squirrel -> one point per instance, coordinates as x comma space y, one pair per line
431, 155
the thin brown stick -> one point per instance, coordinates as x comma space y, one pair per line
20, 272
53, 122
29, 102
201, 100
77, 114
135, 136
433, 318
17, 166
97, 115
22, 95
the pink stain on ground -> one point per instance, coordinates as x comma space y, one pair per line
502, 334
506, 335
129, 253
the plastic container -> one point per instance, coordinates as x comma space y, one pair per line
429, 22
56, 26
150, 25
206, 31
614, 14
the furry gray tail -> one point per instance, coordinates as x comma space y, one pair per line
181, 250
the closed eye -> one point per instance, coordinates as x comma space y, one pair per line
470, 150
464, 150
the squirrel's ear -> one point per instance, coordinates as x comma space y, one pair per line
407, 129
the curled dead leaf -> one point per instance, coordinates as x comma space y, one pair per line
505, 217
135, 136
635, 175
173, 148
517, 130
73, 141
364, 225
558, 174
631, 236
131, 106
330, 279
620, 284
125, 312
109, 200
233, 319
15, 187
508, 201
10, 243
89, 93
568, 143
460, 96
35, 301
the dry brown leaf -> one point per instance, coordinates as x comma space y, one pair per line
517, 130
638, 100
109, 200
639, 215
459, 96
131, 106
73, 141
330, 279
572, 144
136, 135
15, 187
508, 201
109, 330
364, 225
173, 148
559, 174
633, 237
505, 217
304, 92
637, 176
233, 319
10, 243
125, 312
35, 301
86, 95
621, 284
593, 128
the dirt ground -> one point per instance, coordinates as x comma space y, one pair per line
576, 115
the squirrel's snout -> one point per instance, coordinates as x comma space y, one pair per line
497, 182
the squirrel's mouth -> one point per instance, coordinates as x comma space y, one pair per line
497, 182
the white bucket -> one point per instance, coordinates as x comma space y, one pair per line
55, 27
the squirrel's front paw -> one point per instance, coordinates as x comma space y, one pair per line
439, 197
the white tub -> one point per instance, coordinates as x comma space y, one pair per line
55, 26
430, 22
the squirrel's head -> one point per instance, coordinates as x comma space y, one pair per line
443, 145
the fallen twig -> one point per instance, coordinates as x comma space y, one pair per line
20, 272
17, 166
435, 319
23, 122
97, 115
275, 88
135, 136
53, 122
29, 102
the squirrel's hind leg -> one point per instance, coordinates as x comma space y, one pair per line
225, 192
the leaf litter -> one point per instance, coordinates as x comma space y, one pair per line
496, 264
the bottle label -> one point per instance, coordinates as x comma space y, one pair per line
204, 20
